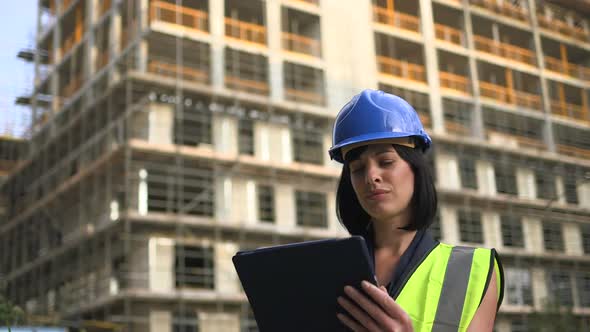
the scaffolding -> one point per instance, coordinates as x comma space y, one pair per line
168, 135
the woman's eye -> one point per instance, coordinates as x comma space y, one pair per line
356, 168
386, 162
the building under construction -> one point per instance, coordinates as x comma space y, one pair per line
168, 135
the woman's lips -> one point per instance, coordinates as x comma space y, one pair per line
377, 194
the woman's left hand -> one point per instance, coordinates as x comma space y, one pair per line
378, 312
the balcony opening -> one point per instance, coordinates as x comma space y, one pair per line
192, 14
507, 86
448, 24
516, 9
72, 29
399, 14
454, 72
244, 21
569, 101
503, 41
458, 117
572, 141
246, 72
511, 130
418, 100
308, 139
400, 58
194, 267
566, 59
101, 36
185, 189
303, 83
301, 32
129, 23
48, 15
311, 209
565, 22
71, 75
179, 58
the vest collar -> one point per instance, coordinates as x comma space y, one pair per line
421, 245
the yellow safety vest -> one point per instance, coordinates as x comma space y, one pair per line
445, 290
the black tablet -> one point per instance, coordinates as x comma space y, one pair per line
294, 287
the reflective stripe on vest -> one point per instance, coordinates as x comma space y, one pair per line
452, 295
445, 290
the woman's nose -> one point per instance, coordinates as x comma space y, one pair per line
373, 175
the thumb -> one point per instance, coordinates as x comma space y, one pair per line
383, 288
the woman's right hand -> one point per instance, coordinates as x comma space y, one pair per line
376, 313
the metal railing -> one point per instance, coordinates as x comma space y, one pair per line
169, 68
404, 69
567, 68
448, 34
301, 44
504, 8
247, 85
396, 19
245, 31
186, 17
454, 82
507, 96
304, 96
569, 110
505, 50
562, 27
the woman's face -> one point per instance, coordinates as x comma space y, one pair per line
383, 183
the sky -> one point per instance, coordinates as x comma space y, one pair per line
17, 31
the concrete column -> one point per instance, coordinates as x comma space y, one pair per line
285, 198
252, 205
223, 197
286, 147
560, 189
160, 321
240, 200
161, 264
347, 43
533, 241
226, 278
573, 239
274, 38
525, 179
449, 224
218, 322
584, 194
91, 53
142, 21
57, 56
333, 223
161, 124
225, 134
448, 171
261, 140
477, 119
486, 181
538, 280
548, 124
216, 21
431, 62
492, 230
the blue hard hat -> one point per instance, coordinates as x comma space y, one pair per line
375, 115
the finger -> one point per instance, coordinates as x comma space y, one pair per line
370, 307
350, 323
386, 302
357, 313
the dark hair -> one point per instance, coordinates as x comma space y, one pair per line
423, 203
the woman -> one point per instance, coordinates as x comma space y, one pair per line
386, 194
